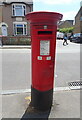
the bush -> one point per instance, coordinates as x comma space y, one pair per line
67, 30
16, 40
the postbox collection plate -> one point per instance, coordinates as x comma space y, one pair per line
44, 47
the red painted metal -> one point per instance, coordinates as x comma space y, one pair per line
43, 28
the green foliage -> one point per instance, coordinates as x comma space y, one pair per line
16, 41
66, 30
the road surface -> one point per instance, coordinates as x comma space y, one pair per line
16, 66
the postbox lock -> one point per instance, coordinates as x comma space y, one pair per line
45, 26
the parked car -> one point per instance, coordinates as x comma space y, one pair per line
60, 35
77, 37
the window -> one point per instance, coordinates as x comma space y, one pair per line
18, 10
80, 18
4, 30
20, 29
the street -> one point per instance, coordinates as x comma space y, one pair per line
16, 66
67, 64
15, 70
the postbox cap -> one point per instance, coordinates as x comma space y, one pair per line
43, 15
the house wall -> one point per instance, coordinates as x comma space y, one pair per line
9, 19
78, 22
66, 24
81, 26
0, 13
81, 20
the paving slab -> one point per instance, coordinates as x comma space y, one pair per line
66, 104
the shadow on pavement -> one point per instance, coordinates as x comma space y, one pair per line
31, 114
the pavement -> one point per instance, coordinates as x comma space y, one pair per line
66, 103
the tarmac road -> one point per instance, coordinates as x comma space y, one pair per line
16, 66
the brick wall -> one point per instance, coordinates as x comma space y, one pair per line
0, 13
78, 22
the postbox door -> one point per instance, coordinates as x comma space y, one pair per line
43, 55
44, 64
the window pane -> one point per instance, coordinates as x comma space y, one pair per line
20, 31
24, 10
19, 25
13, 10
24, 26
4, 25
25, 29
13, 6
18, 6
18, 12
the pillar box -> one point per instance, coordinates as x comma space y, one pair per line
43, 27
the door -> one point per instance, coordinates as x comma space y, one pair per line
4, 30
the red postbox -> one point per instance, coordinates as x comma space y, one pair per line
43, 37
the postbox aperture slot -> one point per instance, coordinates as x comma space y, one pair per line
44, 32
44, 47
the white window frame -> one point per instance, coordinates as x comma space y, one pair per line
19, 23
14, 9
